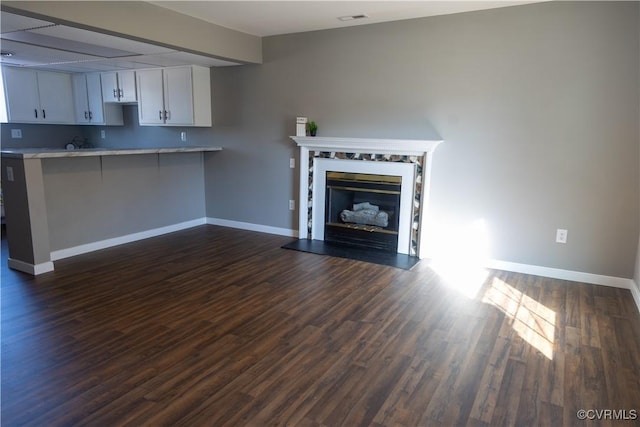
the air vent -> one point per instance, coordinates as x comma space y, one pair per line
353, 17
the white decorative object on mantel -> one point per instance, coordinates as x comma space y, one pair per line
301, 126
402, 147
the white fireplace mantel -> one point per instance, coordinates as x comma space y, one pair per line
402, 147
408, 147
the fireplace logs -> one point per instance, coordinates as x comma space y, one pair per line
366, 214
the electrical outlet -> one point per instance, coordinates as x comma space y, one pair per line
292, 163
9, 173
561, 235
103, 134
16, 133
292, 205
183, 136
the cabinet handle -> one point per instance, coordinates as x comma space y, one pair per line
90, 116
35, 110
120, 93
166, 115
86, 116
160, 114
44, 115
115, 94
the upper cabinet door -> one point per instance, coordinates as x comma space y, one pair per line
109, 87
127, 86
94, 98
80, 100
56, 99
150, 99
21, 95
119, 86
178, 96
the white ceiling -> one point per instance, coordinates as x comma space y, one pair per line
268, 18
41, 44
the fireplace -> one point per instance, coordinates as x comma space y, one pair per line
339, 174
362, 210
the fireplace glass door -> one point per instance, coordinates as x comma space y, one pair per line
362, 210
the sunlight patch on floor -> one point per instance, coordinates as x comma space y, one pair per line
532, 321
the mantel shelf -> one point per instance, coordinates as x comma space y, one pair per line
367, 145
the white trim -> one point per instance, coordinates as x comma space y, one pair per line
415, 147
252, 227
303, 198
635, 293
103, 244
33, 269
424, 204
557, 273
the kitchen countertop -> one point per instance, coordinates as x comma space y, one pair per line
45, 153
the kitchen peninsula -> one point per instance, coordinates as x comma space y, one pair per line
61, 203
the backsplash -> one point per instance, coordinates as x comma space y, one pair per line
131, 135
39, 136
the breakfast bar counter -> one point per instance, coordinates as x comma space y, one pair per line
61, 203
43, 153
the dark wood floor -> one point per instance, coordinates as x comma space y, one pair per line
214, 326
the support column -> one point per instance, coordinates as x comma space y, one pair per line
26, 215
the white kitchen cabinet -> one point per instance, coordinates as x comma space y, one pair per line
174, 96
33, 96
119, 86
89, 106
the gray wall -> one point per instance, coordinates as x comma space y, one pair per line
90, 199
538, 106
636, 276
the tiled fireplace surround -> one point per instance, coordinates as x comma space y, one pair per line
408, 158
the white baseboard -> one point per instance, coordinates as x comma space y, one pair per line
574, 276
33, 269
103, 244
635, 293
557, 273
252, 227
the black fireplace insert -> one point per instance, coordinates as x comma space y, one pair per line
362, 210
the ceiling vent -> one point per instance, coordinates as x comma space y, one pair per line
353, 17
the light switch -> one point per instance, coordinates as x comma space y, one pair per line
16, 133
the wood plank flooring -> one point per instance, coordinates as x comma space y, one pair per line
220, 327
